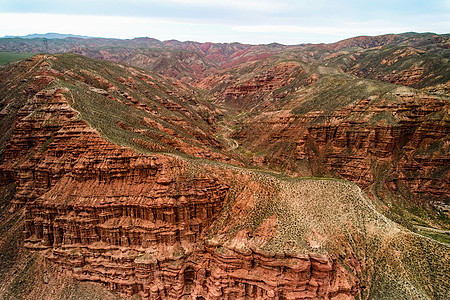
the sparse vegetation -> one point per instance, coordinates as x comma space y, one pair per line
285, 130
322, 216
7, 57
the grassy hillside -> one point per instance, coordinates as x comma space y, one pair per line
417, 67
7, 57
129, 107
334, 217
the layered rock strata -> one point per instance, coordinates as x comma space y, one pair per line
231, 274
104, 211
403, 143
260, 83
136, 222
169, 227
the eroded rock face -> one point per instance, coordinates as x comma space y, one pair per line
134, 222
268, 81
404, 144
260, 87
238, 275
131, 231
106, 212
167, 227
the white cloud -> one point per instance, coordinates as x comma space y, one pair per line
254, 5
101, 26
282, 31
344, 29
291, 29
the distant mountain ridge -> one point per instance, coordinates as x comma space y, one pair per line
191, 61
49, 35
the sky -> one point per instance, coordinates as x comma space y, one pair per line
246, 21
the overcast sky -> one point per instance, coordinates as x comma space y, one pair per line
246, 21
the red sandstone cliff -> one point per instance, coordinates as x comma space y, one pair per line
400, 138
134, 222
170, 226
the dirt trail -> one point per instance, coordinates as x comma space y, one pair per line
225, 133
433, 229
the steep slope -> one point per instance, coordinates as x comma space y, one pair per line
420, 67
255, 85
313, 120
122, 182
320, 239
389, 138
185, 65
154, 114
51, 149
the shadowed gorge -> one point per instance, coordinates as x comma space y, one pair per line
228, 171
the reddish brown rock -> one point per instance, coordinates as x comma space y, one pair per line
134, 222
167, 226
263, 83
348, 143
